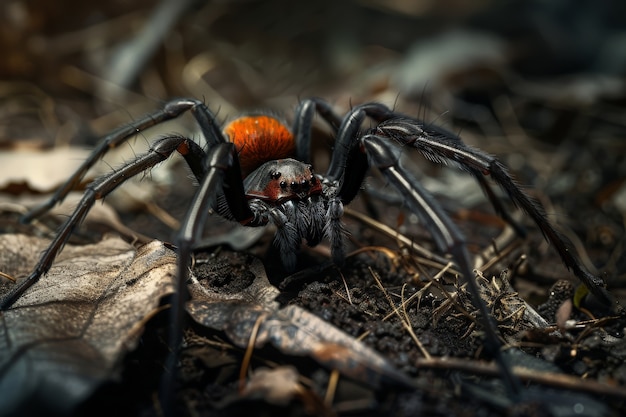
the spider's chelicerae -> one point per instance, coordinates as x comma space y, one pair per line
286, 192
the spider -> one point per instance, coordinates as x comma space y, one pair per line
256, 171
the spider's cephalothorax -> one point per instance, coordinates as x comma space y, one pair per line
244, 174
286, 193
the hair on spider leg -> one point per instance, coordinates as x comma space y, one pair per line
237, 179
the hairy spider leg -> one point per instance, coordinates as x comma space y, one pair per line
440, 148
171, 110
101, 187
212, 169
439, 133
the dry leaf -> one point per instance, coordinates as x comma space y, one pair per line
277, 386
66, 334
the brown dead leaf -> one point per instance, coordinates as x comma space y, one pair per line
66, 335
277, 386
292, 330
280, 386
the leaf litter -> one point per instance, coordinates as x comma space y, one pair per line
69, 333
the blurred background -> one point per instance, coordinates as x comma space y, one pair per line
546, 63
539, 83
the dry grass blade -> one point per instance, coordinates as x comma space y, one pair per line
424, 255
404, 319
528, 375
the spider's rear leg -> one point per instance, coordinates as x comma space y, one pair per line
420, 135
171, 110
99, 189
303, 124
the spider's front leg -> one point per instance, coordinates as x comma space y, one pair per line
440, 146
371, 150
222, 177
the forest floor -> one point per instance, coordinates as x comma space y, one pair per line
393, 331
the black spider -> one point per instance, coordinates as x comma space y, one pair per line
287, 193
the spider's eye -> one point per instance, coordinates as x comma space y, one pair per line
295, 186
283, 184
275, 175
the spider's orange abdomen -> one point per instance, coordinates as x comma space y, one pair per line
259, 139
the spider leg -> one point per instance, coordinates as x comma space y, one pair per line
221, 167
439, 132
440, 148
303, 124
99, 189
348, 132
445, 232
222, 176
171, 110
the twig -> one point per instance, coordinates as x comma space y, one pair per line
525, 374
394, 234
